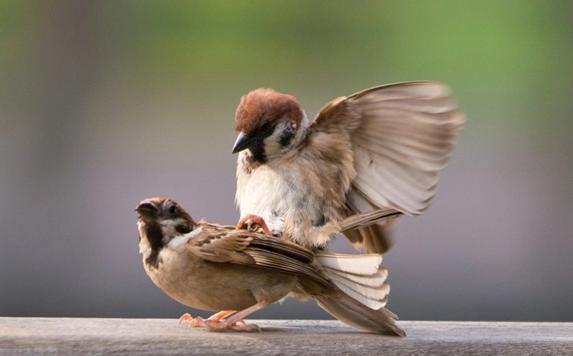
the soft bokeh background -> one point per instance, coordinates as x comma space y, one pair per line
103, 103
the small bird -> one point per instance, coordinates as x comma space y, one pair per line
381, 147
237, 272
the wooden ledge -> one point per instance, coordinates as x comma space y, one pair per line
304, 337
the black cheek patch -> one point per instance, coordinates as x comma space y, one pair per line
182, 229
286, 138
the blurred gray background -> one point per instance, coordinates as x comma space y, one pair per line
104, 103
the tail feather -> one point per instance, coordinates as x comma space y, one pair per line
372, 303
365, 219
363, 292
352, 312
373, 280
379, 293
360, 276
364, 265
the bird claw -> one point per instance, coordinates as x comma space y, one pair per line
216, 324
253, 223
249, 327
241, 326
191, 322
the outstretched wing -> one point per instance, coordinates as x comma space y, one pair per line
401, 135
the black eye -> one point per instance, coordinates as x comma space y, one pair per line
266, 129
172, 210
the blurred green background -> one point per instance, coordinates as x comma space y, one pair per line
104, 103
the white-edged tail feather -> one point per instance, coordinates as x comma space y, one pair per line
372, 280
367, 298
361, 277
357, 264
363, 295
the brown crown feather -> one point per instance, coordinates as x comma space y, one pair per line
263, 105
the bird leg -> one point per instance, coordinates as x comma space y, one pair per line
221, 315
252, 223
235, 322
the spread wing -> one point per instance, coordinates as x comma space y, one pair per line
401, 135
223, 245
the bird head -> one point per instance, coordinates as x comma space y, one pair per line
269, 123
162, 219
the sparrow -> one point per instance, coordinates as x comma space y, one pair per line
382, 147
237, 272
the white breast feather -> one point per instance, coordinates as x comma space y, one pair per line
272, 192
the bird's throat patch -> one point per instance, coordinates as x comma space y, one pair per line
154, 235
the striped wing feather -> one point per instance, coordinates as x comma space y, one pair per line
402, 136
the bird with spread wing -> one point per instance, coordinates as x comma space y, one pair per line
383, 147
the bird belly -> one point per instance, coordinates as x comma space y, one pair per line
213, 286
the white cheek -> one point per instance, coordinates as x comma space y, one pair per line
168, 228
144, 247
272, 143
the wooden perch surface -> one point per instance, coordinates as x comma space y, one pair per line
305, 337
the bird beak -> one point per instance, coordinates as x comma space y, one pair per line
145, 208
243, 142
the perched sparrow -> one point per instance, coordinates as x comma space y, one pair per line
214, 267
381, 147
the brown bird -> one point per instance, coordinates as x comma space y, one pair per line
213, 267
381, 147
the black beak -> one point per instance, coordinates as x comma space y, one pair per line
243, 142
